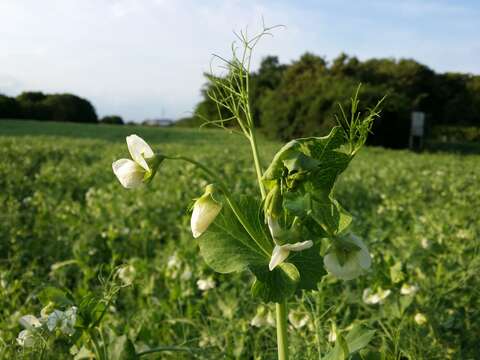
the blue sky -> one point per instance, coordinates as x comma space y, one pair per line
145, 58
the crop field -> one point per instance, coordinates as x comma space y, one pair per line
67, 224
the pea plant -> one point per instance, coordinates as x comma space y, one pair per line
294, 232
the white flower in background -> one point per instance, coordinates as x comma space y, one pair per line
371, 298
206, 284
332, 336
30, 322
420, 319
64, 320
298, 320
126, 274
174, 265
205, 210
262, 318
281, 252
408, 289
187, 274
355, 262
26, 339
425, 243
133, 173
174, 261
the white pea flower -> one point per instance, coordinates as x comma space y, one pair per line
281, 252
133, 173
206, 284
126, 274
187, 274
298, 320
355, 262
53, 319
26, 339
371, 298
30, 322
420, 319
174, 262
332, 336
65, 320
205, 210
262, 318
407, 289
425, 243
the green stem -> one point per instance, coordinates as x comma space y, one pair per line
282, 339
211, 174
256, 160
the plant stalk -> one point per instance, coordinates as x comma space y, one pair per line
282, 339
256, 160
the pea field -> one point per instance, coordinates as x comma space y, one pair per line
70, 235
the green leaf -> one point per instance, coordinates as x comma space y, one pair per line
318, 160
122, 348
276, 285
228, 245
310, 266
358, 338
331, 216
340, 351
396, 273
55, 295
297, 204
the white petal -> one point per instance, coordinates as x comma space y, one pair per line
25, 339
348, 271
54, 319
128, 172
299, 246
204, 213
363, 256
364, 259
279, 254
30, 322
139, 150
274, 227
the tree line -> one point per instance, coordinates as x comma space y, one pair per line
302, 98
52, 107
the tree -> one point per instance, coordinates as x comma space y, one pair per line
68, 107
112, 119
9, 108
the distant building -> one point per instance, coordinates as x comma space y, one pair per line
158, 122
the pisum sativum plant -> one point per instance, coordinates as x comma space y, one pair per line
278, 235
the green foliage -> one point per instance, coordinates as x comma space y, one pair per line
66, 220
302, 98
53, 107
112, 119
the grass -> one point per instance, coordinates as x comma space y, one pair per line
417, 212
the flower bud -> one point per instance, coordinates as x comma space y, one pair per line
273, 202
205, 210
348, 258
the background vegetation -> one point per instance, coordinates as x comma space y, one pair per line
302, 98
66, 221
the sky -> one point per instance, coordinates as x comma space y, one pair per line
146, 58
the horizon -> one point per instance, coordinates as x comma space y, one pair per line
113, 42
